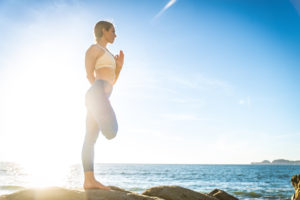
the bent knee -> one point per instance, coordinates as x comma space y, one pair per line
110, 135
110, 131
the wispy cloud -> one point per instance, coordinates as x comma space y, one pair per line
199, 82
187, 100
246, 101
155, 133
180, 117
287, 135
168, 5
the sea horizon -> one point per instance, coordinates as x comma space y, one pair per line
171, 163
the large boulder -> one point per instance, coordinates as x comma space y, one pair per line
154, 193
115, 194
221, 195
52, 193
176, 193
57, 193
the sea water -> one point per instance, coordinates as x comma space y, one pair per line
242, 181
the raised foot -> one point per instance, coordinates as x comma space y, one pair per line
94, 185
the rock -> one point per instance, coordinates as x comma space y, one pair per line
263, 162
57, 193
119, 194
278, 162
154, 193
286, 162
177, 193
52, 193
221, 195
296, 184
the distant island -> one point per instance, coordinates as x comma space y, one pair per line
277, 162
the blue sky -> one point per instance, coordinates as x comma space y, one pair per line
203, 81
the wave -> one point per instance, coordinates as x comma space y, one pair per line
268, 195
248, 194
136, 189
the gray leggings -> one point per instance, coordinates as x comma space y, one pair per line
100, 117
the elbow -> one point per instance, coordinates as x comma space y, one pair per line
115, 80
90, 76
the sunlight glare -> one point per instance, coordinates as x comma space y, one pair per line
45, 173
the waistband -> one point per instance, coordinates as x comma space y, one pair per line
107, 87
104, 81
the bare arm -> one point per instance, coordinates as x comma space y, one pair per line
91, 56
118, 70
119, 62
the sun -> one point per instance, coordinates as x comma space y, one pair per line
45, 173
43, 105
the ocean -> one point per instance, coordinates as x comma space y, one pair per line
242, 181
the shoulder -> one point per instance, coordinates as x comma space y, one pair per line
94, 51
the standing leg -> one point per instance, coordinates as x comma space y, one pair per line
92, 132
99, 116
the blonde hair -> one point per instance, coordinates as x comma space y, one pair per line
99, 26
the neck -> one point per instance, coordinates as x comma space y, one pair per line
102, 42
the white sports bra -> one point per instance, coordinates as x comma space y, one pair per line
106, 60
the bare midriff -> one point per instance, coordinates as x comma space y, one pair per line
105, 73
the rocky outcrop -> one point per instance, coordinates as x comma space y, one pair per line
180, 193
176, 193
263, 162
283, 161
296, 184
115, 194
154, 193
54, 193
221, 195
57, 193
277, 162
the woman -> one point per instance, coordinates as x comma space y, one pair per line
102, 70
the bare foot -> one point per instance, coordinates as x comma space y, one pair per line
94, 185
